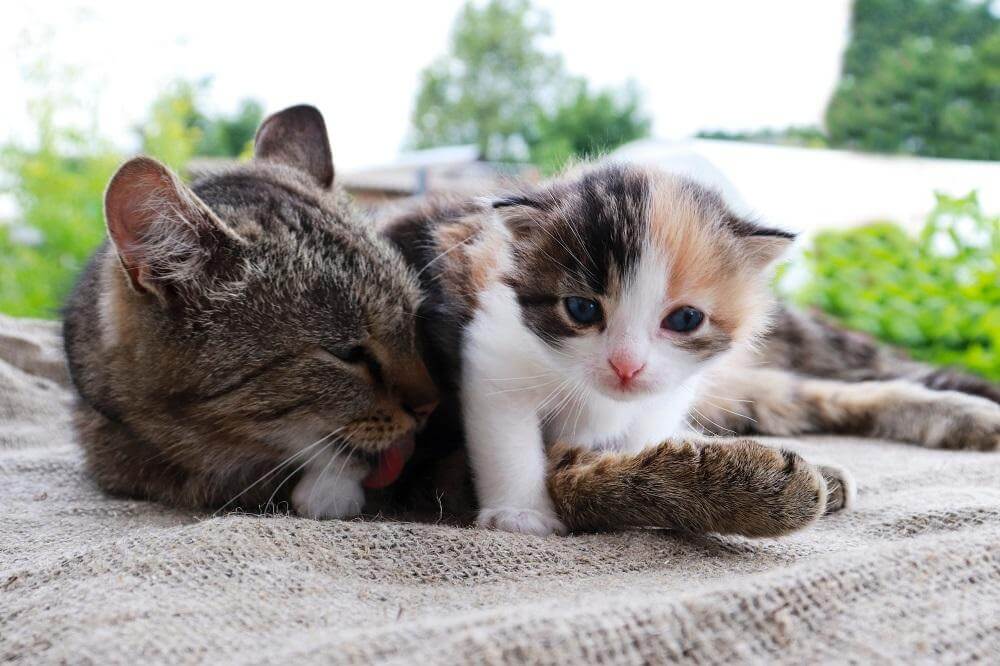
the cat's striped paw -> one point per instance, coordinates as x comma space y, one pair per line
966, 422
521, 521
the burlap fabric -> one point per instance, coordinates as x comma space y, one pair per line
911, 575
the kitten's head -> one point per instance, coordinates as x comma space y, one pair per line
637, 280
255, 305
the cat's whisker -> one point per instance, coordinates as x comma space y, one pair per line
722, 397
517, 389
293, 473
339, 450
444, 254
749, 418
542, 408
511, 379
555, 411
721, 427
275, 469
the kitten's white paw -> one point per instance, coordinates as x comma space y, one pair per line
328, 498
522, 521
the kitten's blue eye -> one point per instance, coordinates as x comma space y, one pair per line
583, 310
683, 320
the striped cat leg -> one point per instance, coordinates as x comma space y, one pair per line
735, 487
776, 402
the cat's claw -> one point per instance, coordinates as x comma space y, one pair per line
521, 521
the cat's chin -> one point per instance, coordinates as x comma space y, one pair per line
631, 393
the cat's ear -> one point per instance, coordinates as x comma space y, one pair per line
762, 245
520, 213
163, 233
297, 137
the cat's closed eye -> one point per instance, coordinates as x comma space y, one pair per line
356, 355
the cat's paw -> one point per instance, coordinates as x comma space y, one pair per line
841, 491
761, 491
972, 424
521, 521
328, 497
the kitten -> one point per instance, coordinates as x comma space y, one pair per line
246, 335
602, 311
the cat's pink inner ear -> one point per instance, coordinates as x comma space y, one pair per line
137, 196
763, 250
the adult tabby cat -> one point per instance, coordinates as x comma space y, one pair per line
619, 309
246, 336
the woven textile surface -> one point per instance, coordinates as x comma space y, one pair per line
912, 574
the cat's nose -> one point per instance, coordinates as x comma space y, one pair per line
424, 410
626, 368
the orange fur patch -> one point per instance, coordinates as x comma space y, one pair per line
706, 264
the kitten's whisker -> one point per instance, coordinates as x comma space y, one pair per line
522, 388
541, 409
444, 254
511, 379
695, 409
722, 397
749, 418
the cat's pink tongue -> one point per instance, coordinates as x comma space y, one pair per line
390, 464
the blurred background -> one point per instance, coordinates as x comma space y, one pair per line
872, 126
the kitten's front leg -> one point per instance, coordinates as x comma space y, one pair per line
507, 456
331, 488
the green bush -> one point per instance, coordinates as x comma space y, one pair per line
57, 185
936, 294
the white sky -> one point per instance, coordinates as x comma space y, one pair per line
708, 64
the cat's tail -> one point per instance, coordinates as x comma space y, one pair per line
734, 487
812, 344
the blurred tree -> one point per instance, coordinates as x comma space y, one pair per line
587, 124
920, 77
490, 87
171, 132
177, 129
230, 136
57, 185
807, 136
499, 89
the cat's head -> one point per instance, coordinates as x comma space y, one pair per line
634, 279
255, 304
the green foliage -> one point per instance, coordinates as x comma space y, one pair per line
936, 294
58, 187
587, 124
920, 77
806, 136
499, 89
177, 129
57, 184
490, 86
170, 132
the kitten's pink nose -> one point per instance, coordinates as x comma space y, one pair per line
626, 368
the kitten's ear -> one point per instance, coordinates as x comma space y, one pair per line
164, 234
297, 137
519, 213
761, 245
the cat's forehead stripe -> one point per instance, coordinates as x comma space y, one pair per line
613, 205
